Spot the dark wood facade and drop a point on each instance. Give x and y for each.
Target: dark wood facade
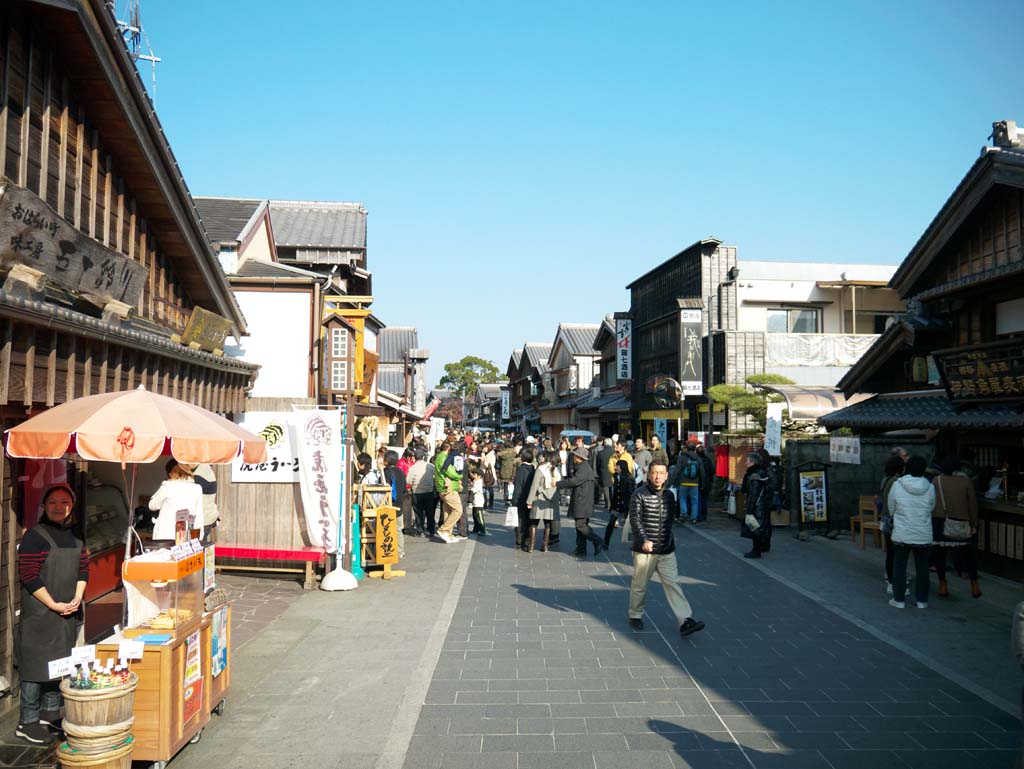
(954, 364)
(78, 134)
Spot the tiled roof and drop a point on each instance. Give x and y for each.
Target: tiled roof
(578, 338)
(537, 353)
(395, 341)
(311, 224)
(225, 218)
(253, 268)
(391, 377)
(925, 410)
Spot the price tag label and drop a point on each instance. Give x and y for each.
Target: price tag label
(82, 655)
(196, 546)
(130, 649)
(180, 551)
(60, 668)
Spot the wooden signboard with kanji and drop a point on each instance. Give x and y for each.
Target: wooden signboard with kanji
(34, 235)
(205, 330)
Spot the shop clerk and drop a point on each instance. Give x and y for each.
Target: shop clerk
(53, 566)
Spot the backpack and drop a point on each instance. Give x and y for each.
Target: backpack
(691, 470)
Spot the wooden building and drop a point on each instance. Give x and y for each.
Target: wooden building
(103, 255)
(953, 367)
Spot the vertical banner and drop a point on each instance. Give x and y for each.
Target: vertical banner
(813, 504)
(318, 439)
(691, 358)
(661, 430)
(505, 404)
(623, 349)
(773, 430)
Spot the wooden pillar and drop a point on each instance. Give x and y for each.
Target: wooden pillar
(5, 363)
(30, 365)
(51, 369)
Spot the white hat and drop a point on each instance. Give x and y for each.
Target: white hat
(530, 439)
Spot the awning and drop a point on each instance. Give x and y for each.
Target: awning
(596, 404)
(927, 409)
(619, 405)
(806, 403)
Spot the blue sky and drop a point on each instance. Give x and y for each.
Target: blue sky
(523, 162)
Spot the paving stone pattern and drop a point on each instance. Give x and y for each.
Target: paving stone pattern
(540, 670)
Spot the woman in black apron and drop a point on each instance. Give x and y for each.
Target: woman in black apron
(53, 568)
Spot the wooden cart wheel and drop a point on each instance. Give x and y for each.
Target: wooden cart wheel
(196, 737)
(219, 710)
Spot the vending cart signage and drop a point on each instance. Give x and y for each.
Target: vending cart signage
(219, 641)
(192, 701)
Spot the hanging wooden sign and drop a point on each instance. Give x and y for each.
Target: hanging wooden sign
(205, 330)
(34, 235)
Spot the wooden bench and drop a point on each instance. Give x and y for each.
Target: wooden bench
(306, 556)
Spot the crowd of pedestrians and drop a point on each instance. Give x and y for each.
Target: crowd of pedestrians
(443, 494)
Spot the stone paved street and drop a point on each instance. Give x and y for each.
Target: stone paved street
(539, 669)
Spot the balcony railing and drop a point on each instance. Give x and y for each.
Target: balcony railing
(815, 349)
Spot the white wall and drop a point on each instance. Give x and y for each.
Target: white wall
(279, 341)
(756, 289)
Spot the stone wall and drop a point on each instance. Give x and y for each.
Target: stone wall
(845, 482)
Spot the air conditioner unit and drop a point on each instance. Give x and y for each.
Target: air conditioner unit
(1006, 134)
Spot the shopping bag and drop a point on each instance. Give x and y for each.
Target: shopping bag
(512, 516)
(752, 522)
(731, 505)
(627, 530)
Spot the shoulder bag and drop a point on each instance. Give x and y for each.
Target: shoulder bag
(953, 529)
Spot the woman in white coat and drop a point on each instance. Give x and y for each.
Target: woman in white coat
(911, 501)
(178, 492)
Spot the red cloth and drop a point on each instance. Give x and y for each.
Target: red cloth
(722, 460)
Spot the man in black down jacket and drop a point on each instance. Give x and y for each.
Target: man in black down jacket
(581, 501)
(604, 475)
(650, 514)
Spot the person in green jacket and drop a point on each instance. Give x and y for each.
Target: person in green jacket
(448, 465)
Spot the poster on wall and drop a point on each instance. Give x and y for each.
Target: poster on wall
(282, 465)
(844, 450)
(691, 357)
(623, 349)
(813, 502)
(505, 404)
(318, 439)
(209, 568)
(192, 701)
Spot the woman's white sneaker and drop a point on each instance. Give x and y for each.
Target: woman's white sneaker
(897, 604)
(922, 604)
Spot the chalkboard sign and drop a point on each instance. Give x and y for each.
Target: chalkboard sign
(33, 234)
(984, 372)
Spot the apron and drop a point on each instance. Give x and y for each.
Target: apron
(45, 635)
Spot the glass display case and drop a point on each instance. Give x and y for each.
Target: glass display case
(164, 596)
(106, 519)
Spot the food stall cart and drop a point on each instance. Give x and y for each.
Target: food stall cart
(185, 667)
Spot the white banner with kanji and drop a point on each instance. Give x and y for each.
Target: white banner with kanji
(317, 436)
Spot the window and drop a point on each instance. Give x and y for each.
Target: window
(867, 322)
(339, 343)
(339, 375)
(793, 321)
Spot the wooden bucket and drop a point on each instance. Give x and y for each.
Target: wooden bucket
(118, 758)
(99, 707)
(97, 739)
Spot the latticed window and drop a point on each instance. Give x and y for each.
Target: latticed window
(339, 343)
(339, 375)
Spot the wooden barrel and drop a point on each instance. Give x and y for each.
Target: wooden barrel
(97, 739)
(118, 758)
(99, 707)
